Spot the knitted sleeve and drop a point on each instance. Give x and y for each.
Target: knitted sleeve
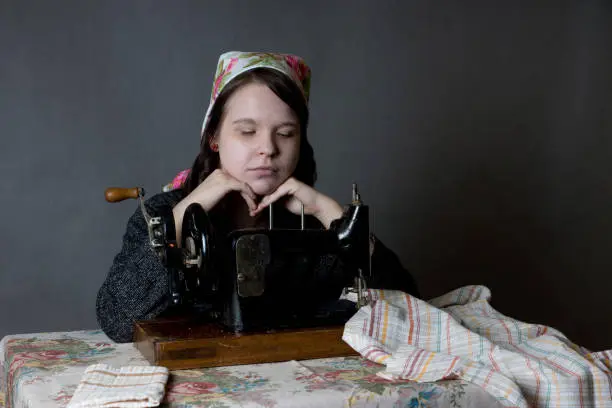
(136, 287)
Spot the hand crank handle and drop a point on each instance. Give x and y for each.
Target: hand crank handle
(116, 194)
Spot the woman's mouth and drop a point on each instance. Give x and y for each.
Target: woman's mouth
(263, 171)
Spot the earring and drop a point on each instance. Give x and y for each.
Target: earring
(214, 147)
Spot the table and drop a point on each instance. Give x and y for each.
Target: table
(44, 369)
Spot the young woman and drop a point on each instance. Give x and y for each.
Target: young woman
(254, 151)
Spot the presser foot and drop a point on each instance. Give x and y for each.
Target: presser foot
(357, 292)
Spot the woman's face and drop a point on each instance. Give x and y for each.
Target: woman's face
(258, 138)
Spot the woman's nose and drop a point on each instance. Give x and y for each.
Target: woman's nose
(268, 145)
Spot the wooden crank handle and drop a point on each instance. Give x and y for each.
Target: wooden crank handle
(116, 194)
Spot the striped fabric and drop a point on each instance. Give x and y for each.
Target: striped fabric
(137, 386)
(459, 335)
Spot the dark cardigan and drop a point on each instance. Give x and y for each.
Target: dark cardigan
(136, 287)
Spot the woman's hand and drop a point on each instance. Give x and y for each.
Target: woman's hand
(324, 208)
(208, 194)
(216, 186)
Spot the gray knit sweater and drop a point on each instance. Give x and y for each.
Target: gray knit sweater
(136, 287)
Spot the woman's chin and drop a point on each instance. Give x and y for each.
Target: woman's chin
(264, 186)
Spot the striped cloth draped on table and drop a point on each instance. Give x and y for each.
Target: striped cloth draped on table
(121, 387)
(459, 335)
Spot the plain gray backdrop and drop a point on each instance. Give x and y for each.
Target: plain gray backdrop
(478, 131)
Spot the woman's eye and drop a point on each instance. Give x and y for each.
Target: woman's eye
(247, 132)
(285, 134)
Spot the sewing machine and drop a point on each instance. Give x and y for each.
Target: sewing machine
(234, 305)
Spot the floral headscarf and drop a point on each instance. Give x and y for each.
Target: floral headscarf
(234, 63)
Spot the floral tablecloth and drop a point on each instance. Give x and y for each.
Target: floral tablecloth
(44, 369)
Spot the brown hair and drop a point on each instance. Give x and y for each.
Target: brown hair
(208, 160)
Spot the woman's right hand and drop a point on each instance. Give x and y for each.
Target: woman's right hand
(208, 194)
(216, 186)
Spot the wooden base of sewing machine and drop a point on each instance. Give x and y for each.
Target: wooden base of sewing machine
(185, 344)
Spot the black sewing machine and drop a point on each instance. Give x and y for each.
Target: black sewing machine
(262, 279)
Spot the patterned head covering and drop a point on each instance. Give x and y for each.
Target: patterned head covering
(233, 63)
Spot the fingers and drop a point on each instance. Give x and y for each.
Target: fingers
(282, 191)
(246, 192)
(250, 202)
(246, 189)
(217, 185)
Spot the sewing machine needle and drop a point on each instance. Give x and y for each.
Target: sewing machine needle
(302, 211)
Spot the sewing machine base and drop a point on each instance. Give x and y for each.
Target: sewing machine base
(184, 343)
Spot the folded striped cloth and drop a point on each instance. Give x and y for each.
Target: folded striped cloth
(459, 335)
(136, 386)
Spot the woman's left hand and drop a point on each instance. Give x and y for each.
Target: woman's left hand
(324, 208)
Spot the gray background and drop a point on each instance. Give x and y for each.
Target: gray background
(478, 131)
